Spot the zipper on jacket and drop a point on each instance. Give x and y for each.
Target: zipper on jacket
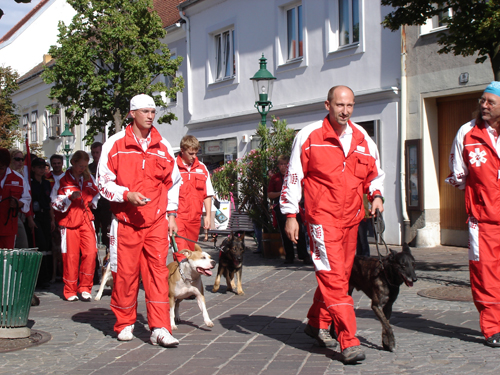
(343, 168)
(143, 163)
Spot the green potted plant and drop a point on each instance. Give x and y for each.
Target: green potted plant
(247, 178)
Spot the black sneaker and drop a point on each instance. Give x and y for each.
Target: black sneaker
(352, 355)
(322, 336)
(493, 341)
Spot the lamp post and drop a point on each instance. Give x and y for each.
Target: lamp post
(67, 137)
(263, 86)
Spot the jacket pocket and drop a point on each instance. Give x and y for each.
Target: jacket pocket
(200, 183)
(361, 169)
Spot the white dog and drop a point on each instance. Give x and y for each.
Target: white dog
(184, 281)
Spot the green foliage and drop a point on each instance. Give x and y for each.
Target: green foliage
(9, 120)
(109, 53)
(251, 173)
(474, 27)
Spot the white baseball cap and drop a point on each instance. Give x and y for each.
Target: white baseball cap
(142, 101)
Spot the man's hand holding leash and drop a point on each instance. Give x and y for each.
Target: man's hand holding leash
(377, 203)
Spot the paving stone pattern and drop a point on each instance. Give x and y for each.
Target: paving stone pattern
(262, 331)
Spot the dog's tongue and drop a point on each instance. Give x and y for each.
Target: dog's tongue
(408, 283)
(203, 271)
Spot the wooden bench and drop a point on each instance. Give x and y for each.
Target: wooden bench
(238, 222)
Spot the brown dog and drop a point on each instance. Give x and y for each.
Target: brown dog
(231, 262)
(184, 281)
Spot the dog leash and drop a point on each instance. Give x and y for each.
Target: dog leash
(378, 229)
(196, 242)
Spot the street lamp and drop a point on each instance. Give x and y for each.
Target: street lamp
(67, 137)
(263, 86)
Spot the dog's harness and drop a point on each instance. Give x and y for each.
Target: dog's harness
(174, 247)
(378, 229)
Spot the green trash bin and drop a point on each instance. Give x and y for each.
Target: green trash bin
(18, 274)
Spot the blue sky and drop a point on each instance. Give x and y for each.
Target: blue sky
(13, 13)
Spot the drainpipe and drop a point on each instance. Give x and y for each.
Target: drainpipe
(406, 220)
(188, 59)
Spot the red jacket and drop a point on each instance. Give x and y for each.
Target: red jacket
(475, 167)
(73, 214)
(124, 167)
(332, 183)
(12, 185)
(196, 186)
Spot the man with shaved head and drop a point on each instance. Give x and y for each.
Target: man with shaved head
(333, 163)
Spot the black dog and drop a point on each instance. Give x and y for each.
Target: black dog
(231, 262)
(381, 281)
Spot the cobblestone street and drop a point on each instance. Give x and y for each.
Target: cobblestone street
(262, 331)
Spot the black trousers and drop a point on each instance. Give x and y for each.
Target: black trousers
(287, 243)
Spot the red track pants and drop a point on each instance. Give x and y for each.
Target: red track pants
(143, 251)
(333, 251)
(7, 242)
(78, 271)
(188, 229)
(484, 267)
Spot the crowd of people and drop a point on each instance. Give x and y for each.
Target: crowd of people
(136, 195)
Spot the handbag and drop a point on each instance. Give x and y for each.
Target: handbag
(220, 216)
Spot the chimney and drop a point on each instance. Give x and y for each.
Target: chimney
(46, 58)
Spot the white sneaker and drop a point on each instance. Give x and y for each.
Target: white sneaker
(161, 336)
(86, 296)
(126, 333)
(72, 298)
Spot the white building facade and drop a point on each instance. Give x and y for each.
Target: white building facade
(310, 46)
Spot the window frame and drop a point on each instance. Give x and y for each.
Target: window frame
(33, 126)
(432, 25)
(229, 58)
(294, 44)
(333, 46)
(283, 59)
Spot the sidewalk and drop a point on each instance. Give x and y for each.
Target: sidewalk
(262, 331)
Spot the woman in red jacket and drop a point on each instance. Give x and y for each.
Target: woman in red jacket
(72, 197)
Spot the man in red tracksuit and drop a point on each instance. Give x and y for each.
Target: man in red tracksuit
(14, 197)
(137, 173)
(195, 192)
(333, 162)
(475, 168)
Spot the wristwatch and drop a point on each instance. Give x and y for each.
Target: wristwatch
(379, 196)
(174, 214)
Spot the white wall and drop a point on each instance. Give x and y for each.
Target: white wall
(25, 49)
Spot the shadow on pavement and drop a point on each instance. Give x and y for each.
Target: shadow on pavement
(416, 322)
(103, 320)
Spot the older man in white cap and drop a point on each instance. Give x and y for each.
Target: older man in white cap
(475, 168)
(137, 173)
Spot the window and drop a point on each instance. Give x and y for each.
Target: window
(34, 127)
(25, 121)
(54, 125)
(294, 32)
(344, 35)
(348, 22)
(225, 66)
(436, 23)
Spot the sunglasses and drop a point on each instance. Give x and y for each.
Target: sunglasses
(19, 159)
